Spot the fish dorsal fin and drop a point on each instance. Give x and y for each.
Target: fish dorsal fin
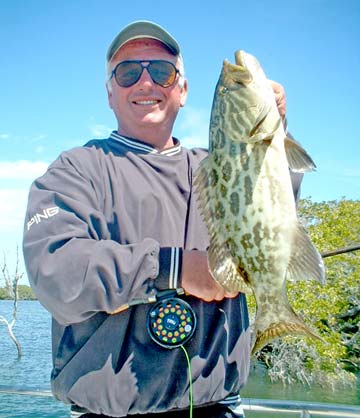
(299, 160)
(306, 262)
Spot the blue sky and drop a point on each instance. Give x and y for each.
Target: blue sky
(53, 96)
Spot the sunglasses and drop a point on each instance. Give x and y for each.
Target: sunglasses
(127, 73)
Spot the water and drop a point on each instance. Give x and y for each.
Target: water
(32, 372)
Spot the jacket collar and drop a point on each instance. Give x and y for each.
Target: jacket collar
(137, 145)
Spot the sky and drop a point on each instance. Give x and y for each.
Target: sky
(53, 97)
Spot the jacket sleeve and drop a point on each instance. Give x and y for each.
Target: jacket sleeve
(73, 265)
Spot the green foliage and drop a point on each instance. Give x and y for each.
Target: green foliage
(24, 293)
(333, 310)
(3, 294)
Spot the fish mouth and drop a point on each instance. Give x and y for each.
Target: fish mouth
(239, 72)
(240, 58)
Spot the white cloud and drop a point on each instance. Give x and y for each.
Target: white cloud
(4, 136)
(100, 131)
(12, 216)
(12, 210)
(22, 169)
(15, 180)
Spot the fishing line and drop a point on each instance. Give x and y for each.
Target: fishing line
(171, 322)
(190, 380)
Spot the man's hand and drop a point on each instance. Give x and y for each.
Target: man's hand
(280, 97)
(196, 279)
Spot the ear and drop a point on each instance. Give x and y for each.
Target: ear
(109, 93)
(183, 93)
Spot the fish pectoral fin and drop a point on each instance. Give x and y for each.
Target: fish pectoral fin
(299, 160)
(225, 271)
(260, 137)
(306, 262)
(259, 134)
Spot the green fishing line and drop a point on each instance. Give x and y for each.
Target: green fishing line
(190, 380)
(171, 322)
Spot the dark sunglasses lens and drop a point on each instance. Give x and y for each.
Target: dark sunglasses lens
(128, 73)
(162, 72)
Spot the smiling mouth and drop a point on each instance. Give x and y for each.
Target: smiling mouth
(146, 102)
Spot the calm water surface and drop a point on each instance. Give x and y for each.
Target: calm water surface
(32, 372)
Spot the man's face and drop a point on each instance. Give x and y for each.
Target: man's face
(146, 110)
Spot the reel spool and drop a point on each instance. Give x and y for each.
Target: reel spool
(171, 322)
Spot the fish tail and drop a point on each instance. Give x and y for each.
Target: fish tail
(291, 324)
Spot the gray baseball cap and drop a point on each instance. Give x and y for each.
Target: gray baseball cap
(142, 29)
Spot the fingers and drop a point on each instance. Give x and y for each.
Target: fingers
(220, 293)
(197, 281)
(231, 295)
(280, 97)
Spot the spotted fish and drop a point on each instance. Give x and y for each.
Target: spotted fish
(245, 195)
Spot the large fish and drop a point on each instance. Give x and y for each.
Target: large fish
(246, 198)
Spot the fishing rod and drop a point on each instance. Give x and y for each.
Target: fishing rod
(340, 251)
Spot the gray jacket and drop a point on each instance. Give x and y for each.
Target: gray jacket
(106, 225)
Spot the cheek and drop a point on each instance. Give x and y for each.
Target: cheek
(177, 98)
(116, 101)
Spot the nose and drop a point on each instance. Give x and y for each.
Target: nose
(145, 78)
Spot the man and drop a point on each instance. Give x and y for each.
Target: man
(114, 224)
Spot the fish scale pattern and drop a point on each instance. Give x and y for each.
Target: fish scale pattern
(245, 196)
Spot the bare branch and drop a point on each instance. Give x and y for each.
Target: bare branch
(11, 289)
(11, 334)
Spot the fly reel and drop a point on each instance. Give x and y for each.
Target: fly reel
(171, 322)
